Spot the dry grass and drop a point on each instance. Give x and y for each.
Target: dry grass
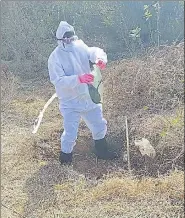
(34, 185)
(149, 91)
(164, 130)
(124, 196)
(9, 86)
(145, 86)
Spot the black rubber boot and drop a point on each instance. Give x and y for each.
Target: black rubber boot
(65, 159)
(101, 150)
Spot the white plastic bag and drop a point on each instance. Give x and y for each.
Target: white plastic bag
(145, 147)
(98, 83)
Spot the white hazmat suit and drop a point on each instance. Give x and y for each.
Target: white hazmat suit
(65, 64)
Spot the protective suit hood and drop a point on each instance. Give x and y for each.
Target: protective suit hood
(62, 28)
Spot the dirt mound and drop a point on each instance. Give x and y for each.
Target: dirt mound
(149, 91)
(153, 83)
(150, 85)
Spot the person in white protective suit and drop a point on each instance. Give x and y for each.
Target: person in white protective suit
(69, 71)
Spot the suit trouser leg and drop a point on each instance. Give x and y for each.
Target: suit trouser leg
(69, 135)
(95, 122)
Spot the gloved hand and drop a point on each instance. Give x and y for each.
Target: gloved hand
(86, 78)
(101, 64)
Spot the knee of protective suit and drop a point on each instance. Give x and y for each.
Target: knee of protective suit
(71, 123)
(70, 134)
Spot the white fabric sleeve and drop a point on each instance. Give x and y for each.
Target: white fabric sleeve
(95, 53)
(58, 77)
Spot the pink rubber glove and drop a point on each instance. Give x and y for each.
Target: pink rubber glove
(86, 78)
(101, 64)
